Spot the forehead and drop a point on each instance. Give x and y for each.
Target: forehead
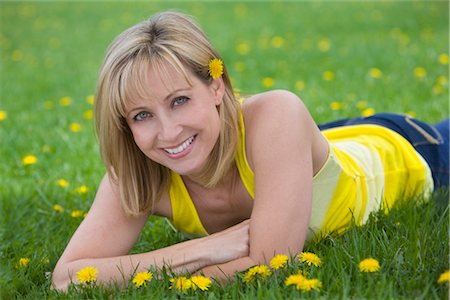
(154, 81)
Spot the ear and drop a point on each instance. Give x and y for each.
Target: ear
(217, 88)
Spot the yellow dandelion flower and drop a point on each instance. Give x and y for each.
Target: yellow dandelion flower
(243, 48)
(411, 113)
(303, 283)
(3, 115)
(201, 282)
(90, 99)
(17, 55)
(215, 68)
(375, 73)
(260, 271)
(65, 101)
(369, 265)
(239, 66)
(443, 59)
(368, 112)
(420, 72)
(437, 89)
(87, 274)
(267, 82)
(300, 85)
(442, 80)
(58, 208)
(88, 114)
(335, 105)
(310, 258)
(29, 160)
(81, 189)
(23, 262)
(324, 45)
(182, 284)
(328, 75)
(142, 278)
(277, 42)
(279, 261)
(444, 277)
(76, 213)
(361, 104)
(62, 183)
(75, 127)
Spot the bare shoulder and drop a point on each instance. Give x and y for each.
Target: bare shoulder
(280, 116)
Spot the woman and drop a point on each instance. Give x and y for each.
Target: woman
(252, 180)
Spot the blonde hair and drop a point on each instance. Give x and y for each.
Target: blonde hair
(167, 39)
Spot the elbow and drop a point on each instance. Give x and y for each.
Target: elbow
(60, 279)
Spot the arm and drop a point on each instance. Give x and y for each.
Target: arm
(107, 234)
(283, 179)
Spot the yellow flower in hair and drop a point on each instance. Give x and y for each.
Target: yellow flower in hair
(215, 68)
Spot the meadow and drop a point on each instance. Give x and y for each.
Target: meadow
(343, 58)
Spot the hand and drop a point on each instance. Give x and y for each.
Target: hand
(229, 244)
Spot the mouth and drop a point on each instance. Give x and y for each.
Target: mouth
(181, 148)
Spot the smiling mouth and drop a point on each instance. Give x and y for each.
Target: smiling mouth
(180, 148)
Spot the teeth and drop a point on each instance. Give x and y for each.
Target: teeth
(181, 147)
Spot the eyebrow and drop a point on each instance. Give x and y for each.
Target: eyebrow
(167, 98)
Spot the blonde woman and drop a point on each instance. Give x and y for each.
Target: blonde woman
(248, 179)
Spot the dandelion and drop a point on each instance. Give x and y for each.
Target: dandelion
(48, 105)
(444, 277)
(17, 55)
(310, 258)
(239, 66)
(324, 45)
(261, 271)
(201, 282)
(75, 127)
(65, 101)
(443, 59)
(87, 274)
(278, 261)
(420, 72)
(277, 42)
(29, 160)
(375, 73)
(243, 48)
(328, 75)
(81, 189)
(142, 278)
(62, 183)
(76, 213)
(88, 114)
(335, 105)
(23, 262)
(215, 68)
(303, 283)
(3, 115)
(442, 80)
(90, 99)
(267, 82)
(437, 89)
(182, 284)
(368, 112)
(369, 265)
(361, 104)
(300, 85)
(58, 208)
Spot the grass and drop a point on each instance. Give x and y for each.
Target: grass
(51, 50)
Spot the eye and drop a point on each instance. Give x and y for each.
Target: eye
(179, 101)
(141, 116)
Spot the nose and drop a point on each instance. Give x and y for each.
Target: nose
(169, 129)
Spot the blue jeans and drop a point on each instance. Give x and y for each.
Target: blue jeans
(431, 141)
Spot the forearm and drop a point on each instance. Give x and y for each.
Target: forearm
(188, 256)
(225, 272)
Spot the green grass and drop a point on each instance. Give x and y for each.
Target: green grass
(54, 49)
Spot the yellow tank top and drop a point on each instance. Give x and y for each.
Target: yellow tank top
(369, 167)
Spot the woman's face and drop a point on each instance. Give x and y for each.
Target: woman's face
(177, 124)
